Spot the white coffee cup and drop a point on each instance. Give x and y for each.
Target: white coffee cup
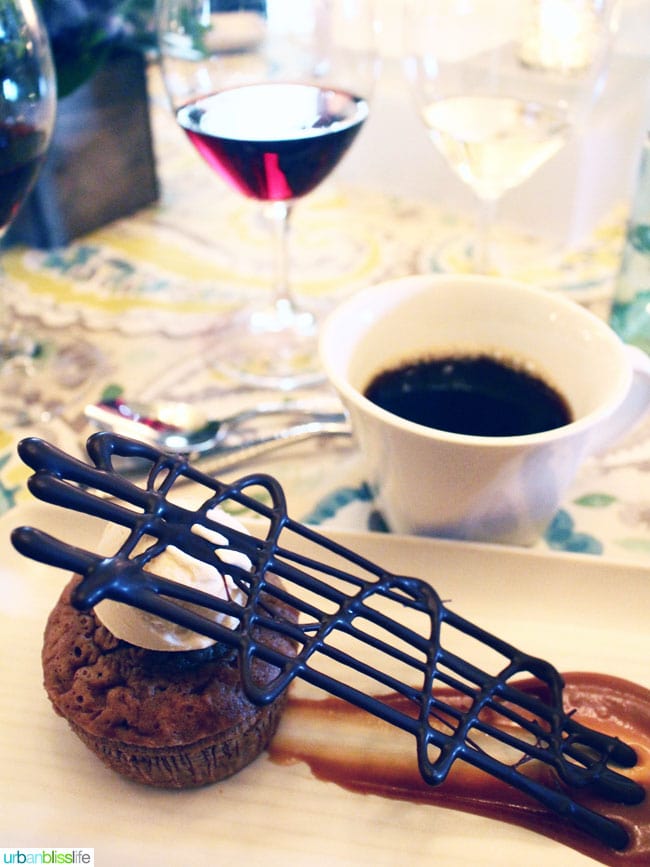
(482, 488)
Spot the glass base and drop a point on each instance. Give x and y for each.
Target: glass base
(631, 320)
(275, 347)
(40, 378)
(526, 257)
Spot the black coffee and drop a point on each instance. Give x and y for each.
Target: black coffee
(477, 395)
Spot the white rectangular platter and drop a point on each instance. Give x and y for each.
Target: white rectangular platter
(581, 613)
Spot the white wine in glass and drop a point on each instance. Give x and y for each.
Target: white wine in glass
(502, 84)
(271, 93)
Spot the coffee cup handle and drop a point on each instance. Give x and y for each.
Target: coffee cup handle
(632, 411)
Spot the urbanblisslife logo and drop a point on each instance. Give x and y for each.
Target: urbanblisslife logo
(45, 855)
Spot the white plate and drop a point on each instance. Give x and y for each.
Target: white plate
(580, 613)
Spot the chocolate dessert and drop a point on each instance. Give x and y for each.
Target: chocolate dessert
(380, 641)
(172, 719)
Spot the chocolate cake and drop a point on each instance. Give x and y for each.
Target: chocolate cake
(176, 720)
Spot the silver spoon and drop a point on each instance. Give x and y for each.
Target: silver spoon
(181, 428)
(224, 457)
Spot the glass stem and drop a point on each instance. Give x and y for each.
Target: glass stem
(7, 324)
(279, 214)
(14, 341)
(482, 251)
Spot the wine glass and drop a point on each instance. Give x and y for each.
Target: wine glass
(501, 85)
(271, 93)
(27, 112)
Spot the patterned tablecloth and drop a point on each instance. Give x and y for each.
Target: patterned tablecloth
(146, 293)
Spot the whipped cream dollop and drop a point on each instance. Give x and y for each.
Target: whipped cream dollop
(154, 633)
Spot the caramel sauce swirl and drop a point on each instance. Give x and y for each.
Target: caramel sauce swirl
(346, 746)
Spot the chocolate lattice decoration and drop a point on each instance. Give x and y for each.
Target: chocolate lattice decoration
(362, 633)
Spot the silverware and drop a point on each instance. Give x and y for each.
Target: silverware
(181, 428)
(224, 457)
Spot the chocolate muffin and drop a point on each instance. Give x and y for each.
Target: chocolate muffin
(175, 720)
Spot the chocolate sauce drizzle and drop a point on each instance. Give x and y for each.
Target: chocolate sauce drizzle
(343, 599)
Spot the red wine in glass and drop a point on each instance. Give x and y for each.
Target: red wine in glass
(22, 149)
(272, 95)
(274, 141)
(40, 373)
